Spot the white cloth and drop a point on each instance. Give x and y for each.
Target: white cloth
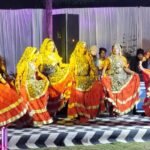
(103, 27)
(19, 28)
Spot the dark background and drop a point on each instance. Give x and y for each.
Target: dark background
(17, 4)
(64, 38)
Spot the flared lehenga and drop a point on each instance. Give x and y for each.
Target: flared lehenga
(122, 89)
(86, 98)
(124, 99)
(146, 78)
(59, 89)
(59, 78)
(86, 104)
(12, 105)
(35, 92)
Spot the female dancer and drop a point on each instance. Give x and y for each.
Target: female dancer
(86, 92)
(120, 83)
(146, 78)
(34, 87)
(50, 64)
(12, 105)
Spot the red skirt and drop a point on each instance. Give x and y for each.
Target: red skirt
(37, 109)
(146, 77)
(86, 104)
(59, 94)
(12, 106)
(146, 106)
(125, 99)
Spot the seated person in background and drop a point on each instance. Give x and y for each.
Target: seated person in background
(102, 58)
(134, 64)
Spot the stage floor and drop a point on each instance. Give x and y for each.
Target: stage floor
(104, 130)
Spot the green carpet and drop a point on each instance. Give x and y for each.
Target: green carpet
(114, 146)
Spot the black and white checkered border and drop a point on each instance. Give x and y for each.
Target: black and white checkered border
(104, 130)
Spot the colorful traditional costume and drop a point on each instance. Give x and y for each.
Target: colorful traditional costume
(146, 78)
(50, 64)
(34, 86)
(121, 85)
(12, 105)
(86, 91)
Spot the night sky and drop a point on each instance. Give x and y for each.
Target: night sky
(14, 4)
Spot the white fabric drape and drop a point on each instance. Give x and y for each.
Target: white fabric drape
(128, 26)
(97, 26)
(144, 21)
(19, 29)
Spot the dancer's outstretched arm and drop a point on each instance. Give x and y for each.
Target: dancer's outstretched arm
(146, 71)
(127, 70)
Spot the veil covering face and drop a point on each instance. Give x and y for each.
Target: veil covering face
(119, 83)
(56, 71)
(34, 87)
(44, 48)
(86, 91)
(94, 50)
(118, 48)
(27, 54)
(77, 48)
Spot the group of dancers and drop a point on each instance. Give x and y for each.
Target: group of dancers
(43, 85)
